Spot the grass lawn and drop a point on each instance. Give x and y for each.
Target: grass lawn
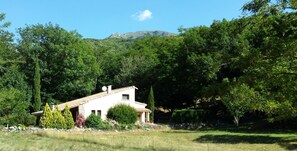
(149, 140)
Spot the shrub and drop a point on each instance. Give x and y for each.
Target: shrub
(47, 117)
(58, 119)
(80, 121)
(13, 107)
(30, 120)
(68, 118)
(123, 114)
(191, 116)
(93, 121)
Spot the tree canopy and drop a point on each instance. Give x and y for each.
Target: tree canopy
(68, 66)
(226, 63)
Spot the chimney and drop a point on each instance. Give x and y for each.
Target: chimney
(108, 89)
(52, 106)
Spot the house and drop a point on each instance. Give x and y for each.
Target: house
(100, 103)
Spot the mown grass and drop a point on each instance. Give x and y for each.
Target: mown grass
(148, 140)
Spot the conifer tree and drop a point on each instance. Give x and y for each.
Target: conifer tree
(36, 90)
(68, 118)
(46, 119)
(58, 119)
(151, 103)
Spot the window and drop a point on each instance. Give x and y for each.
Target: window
(99, 112)
(125, 97)
(93, 112)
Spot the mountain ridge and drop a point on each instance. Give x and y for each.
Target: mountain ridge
(140, 34)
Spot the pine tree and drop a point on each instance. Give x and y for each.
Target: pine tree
(58, 119)
(68, 118)
(36, 93)
(46, 119)
(151, 103)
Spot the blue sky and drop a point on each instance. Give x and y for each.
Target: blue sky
(101, 18)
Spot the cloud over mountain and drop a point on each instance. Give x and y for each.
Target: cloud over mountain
(143, 15)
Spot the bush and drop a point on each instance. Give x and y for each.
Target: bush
(123, 114)
(191, 116)
(68, 118)
(80, 121)
(58, 119)
(13, 107)
(93, 121)
(30, 120)
(46, 119)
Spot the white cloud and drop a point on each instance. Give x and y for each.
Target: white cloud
(143, 15)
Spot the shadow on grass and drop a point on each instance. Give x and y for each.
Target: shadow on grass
(247, 130)
(253, 130)
(289, 143)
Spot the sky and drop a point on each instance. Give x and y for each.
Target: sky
(101, 18)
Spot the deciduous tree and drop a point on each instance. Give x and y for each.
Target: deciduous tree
(68, 66)
(239, 100)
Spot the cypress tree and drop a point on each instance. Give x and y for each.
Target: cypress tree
(58, 119)
(46, 119)
(68, 118)
(36, 88)
(151, 103)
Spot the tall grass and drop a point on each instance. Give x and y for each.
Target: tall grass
(146, 140)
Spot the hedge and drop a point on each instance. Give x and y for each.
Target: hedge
(191, 116)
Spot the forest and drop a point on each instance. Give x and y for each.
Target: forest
(242, 67)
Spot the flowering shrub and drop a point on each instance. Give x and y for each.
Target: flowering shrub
(80, 121)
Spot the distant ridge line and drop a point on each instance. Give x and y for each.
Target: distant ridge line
(139, 34)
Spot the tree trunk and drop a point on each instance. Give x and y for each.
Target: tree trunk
(236, 120)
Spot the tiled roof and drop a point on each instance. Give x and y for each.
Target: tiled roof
(80, 101)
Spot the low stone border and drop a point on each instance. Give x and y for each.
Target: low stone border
(146, 126)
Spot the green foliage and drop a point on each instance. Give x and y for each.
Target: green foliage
(5, 37)
(123, 114)
(46, 120)
(191, 116)
(269, 6)
(30, 120)
(12, 77)
(151, 103)
(14, 108)
(258, 50)
(58, 119)
(148, 61)
(93, 121)
(68, 118)
(10, 74)
(239, 100)
(69, 69)
(36, 87)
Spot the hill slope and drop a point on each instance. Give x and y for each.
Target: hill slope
(139, 34)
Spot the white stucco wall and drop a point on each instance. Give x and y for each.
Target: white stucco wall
(106, 102)
(143, 117)
(138, 105)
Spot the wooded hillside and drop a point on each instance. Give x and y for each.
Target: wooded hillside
(248, 65)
